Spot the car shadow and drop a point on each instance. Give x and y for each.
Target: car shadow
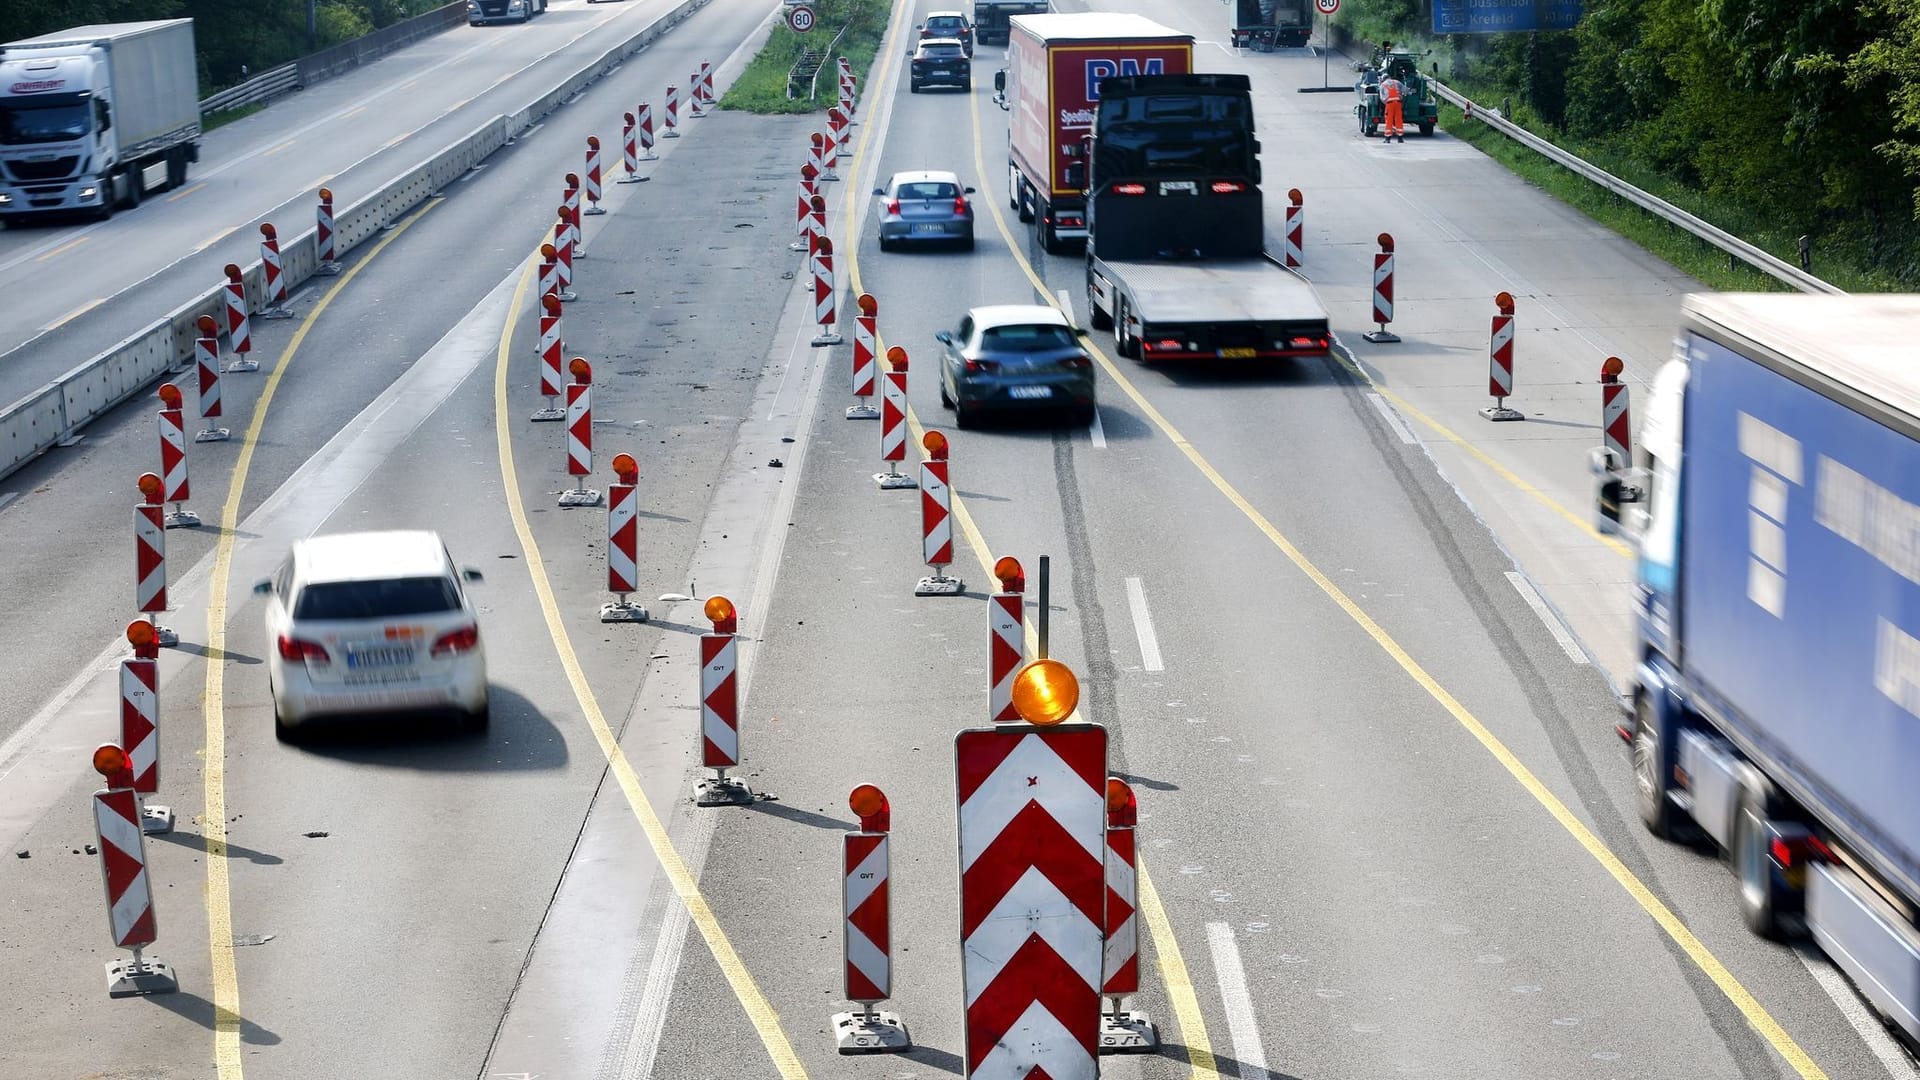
(520, 738)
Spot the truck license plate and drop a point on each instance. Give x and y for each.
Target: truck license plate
(1179, 187)
(1239, 354)
(1029, 392)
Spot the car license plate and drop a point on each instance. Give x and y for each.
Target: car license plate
(1239, 354)
(929, 228)
(362, 659)
(1029, 392)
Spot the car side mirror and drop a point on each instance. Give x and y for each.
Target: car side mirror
(880, 191)
(1000, 81)
(263, 587)
(468, 573)
(943, 337)
(969, 191)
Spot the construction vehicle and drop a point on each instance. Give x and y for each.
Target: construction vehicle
(1418, 104)
(1266, 25)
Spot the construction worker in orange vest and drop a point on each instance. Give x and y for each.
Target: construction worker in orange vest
(1390, 92)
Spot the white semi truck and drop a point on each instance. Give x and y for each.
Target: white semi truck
(88, 116)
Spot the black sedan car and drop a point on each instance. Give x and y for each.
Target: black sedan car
(940, 62)
(1014, 357)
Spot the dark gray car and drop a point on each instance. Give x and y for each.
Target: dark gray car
(939, 62)
(1014, 357)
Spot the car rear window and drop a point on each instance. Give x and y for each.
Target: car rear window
(928, 189)
(1025, 338)
(942, 51)
(391, 598)
(947, 23)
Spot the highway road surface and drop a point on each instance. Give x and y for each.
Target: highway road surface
(1354, 651)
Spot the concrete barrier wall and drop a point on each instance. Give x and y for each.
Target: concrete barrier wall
(30, 426)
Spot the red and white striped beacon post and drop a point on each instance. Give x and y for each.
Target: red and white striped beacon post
(1616, 414)
(276, 274)
(572, 203)
(893, 422)
(1295, 233)
(623, 542)
(629, 152)
(846, 90)
(580, 435)
(123, 874)
(1500, 361)
(830, 144)
(865, 341)
(549, 273)
(670, 128)
(936, 520)
(552, 346)
(697, 99)
(150, 557)
(866, 930)
(720, 708)
(1006, 638)
(206, 355)
(593, 176)
(1032, 830)
(323, 242)
(563, 255)
(1383, 293)
(646, 132)
(239, 332)
(173, 458)
(825, 298)
(140, 721)
(817, 210)
(808, 190)
(1122, 1031)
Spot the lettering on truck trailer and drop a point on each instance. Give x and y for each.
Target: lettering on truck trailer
(1099, 68)
(36, 86)
(1776, 463)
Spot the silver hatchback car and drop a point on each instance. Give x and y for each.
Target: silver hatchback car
(919, 207)
(1014, 357)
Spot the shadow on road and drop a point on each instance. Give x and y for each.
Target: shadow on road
(520, 738)
(802, 817)
(192, 1006)
(197, 842)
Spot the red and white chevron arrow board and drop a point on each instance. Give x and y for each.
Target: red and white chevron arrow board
(893, 416)
(1032, 899)
(936, 514)
(140, 721)
(1122, 965)
(149, 558)
(869, 949)
(579, 429)
(123, 867)
(1006, 649)
(173, 456)
(719, 703)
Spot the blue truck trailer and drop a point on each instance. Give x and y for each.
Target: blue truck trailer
(1776, 703)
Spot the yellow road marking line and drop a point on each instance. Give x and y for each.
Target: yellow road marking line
(759, 1010)
(355, 111)
(213, 821)
(1172, 966)
(76, 313)
(216, 238)
(1480, 455)
(184, 192)
(64, 248)
(277, 149)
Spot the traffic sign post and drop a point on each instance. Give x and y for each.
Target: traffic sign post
(1326, 9)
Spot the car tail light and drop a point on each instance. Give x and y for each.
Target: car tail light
(455, 642)
(980, 365)
(1072, 221)
(1077, 363)
(293, 648)
(1129, 189)
(960, 205)
(893, 206)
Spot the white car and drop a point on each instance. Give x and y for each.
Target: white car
(372, 622)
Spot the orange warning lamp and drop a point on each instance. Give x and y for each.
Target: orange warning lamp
(808, 172)
(818, 204)
(1504, 301)
(720, 610)
(233, 272)
(1610, 369)
(111, 762)
(149, 485)
(868, 305)
(871, 804)
(548, 253)
(1012, 576)
(140, 635)
(169, 395)
(326, 195)
(1045, 693)
(581, 371)
(573, 181)
(1294, 196)
(566, 216)
(627, 469)
(822, 245)
(206, 326)
(1122, 811)
(936, 445)
(896, 358)
(1386, 242)
(552, 304)
(818, 139)
(266, 230)
(593, 141)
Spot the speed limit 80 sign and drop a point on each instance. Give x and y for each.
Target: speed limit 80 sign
(800, 17)
(1327, 7)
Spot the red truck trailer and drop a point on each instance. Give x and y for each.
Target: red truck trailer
(1051, 87)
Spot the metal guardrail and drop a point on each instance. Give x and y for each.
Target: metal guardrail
(1760, 260)
(260, 89)
(813, 85)
(52, 415)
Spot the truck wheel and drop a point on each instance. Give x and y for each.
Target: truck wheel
(176, 168)
(1025, 204)
(1426, 127)
(1123, 341)
(134, 180)
(1650, 772)
(1100, 319)
(1753, 865)
(1050, 239)
(1013, 187)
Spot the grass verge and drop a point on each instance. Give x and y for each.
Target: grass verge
(762, 87)
(1694, 256)
(227, 116)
